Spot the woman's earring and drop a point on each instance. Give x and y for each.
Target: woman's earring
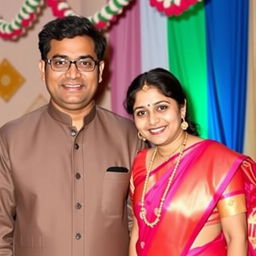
(184, 124)
(141, 137)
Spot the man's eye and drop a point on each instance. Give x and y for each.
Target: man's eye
(59, 62)
(86, 63)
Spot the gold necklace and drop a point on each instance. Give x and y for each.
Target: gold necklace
(158, 210)
(164, 157)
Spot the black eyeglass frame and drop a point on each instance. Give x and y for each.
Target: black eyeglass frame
(49, 61)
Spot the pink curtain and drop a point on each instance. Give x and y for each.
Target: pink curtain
(125, 59)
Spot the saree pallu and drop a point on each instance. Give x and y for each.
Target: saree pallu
(204, 172)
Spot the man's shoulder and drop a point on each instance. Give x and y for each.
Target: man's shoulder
(24, 120)
(118, 129)
(113, 117)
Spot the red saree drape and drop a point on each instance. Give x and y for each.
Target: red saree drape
(204, 172)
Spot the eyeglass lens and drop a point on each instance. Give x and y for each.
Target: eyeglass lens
(83, 64)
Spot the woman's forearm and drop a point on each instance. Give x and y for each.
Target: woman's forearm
(237, 247)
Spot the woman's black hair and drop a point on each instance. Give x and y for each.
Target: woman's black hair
(166, 83)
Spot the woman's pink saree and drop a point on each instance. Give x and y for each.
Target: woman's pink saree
(204, 172)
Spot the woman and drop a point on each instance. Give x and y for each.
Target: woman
(190, 196)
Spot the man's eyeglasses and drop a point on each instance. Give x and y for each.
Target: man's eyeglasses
(59, 64)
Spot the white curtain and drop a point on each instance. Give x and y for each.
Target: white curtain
(154, 49)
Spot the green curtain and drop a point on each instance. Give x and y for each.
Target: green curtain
(187, 60)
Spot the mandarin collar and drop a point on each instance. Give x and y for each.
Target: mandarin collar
(65, 118)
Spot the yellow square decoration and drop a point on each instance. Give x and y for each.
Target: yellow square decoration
(10, 80)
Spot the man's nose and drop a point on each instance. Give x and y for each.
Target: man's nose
(73, 72)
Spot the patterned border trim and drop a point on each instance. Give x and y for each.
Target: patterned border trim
(29, 13)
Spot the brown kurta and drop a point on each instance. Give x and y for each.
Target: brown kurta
(56, 196)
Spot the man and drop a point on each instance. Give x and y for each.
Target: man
(64, 168)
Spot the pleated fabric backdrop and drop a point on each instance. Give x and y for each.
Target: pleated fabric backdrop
(211, 48)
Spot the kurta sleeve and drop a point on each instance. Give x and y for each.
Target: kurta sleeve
(7, 203)
(130, 200)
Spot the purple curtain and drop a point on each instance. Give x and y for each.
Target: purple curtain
(125, 60)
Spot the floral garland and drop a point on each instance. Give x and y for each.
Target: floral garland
(60, 8)
(173, 7)
(22, 20)
(101, 19)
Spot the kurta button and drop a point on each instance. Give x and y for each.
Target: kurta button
(76, 146)
(78, 206)
(73, 133)
(78, 175)
(78, 236)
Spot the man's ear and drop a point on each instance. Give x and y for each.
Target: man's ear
(41, 66)
(101, 68)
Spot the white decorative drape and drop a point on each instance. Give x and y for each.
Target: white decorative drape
(154, 36)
